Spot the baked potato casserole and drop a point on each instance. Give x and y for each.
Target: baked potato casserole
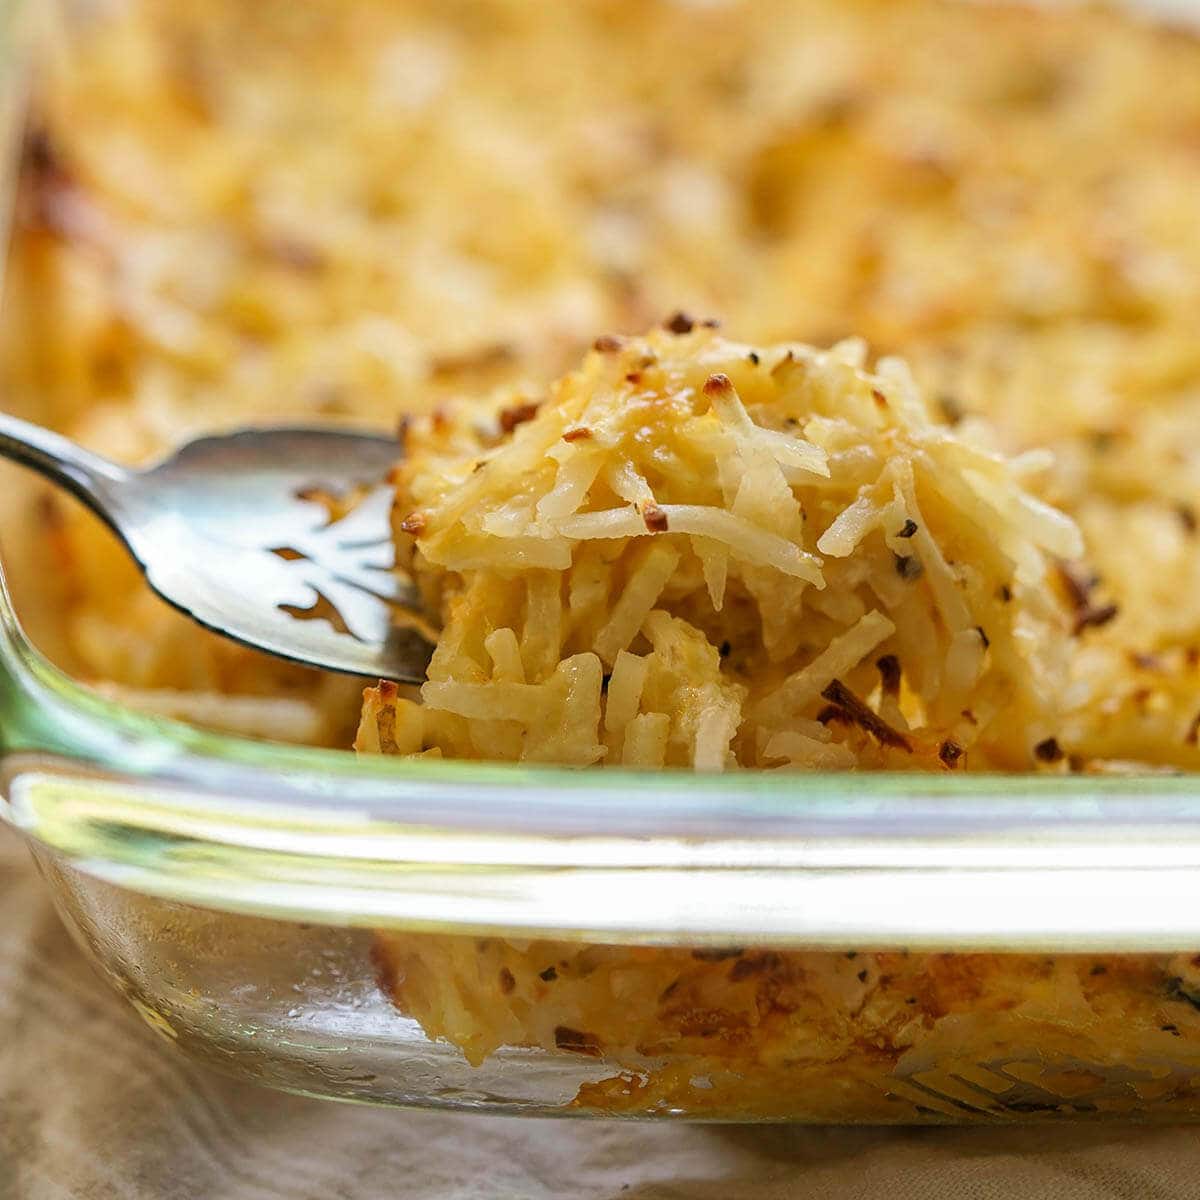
(796, 385)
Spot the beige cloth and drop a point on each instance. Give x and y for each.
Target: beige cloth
(93, 1106)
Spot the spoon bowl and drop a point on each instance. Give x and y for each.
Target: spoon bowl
(277, 537)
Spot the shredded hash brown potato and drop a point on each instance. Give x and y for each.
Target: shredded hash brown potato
(991, 192)
(697, 553)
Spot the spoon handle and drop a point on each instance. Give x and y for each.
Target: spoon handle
(92, 478)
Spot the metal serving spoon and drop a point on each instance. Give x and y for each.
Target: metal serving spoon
(230, 530)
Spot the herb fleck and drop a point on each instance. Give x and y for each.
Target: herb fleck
(845, 702)
(1048, 751)
(510, 418)
(950, 752)
(1095, 618)
(889, 674)
(577, 1041)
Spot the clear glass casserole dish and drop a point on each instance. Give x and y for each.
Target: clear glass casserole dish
(257, 905)
(822, 947)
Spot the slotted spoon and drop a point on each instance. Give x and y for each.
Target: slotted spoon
(232, 531)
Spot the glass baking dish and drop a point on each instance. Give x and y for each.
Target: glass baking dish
(822, 947)
(257, 905)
